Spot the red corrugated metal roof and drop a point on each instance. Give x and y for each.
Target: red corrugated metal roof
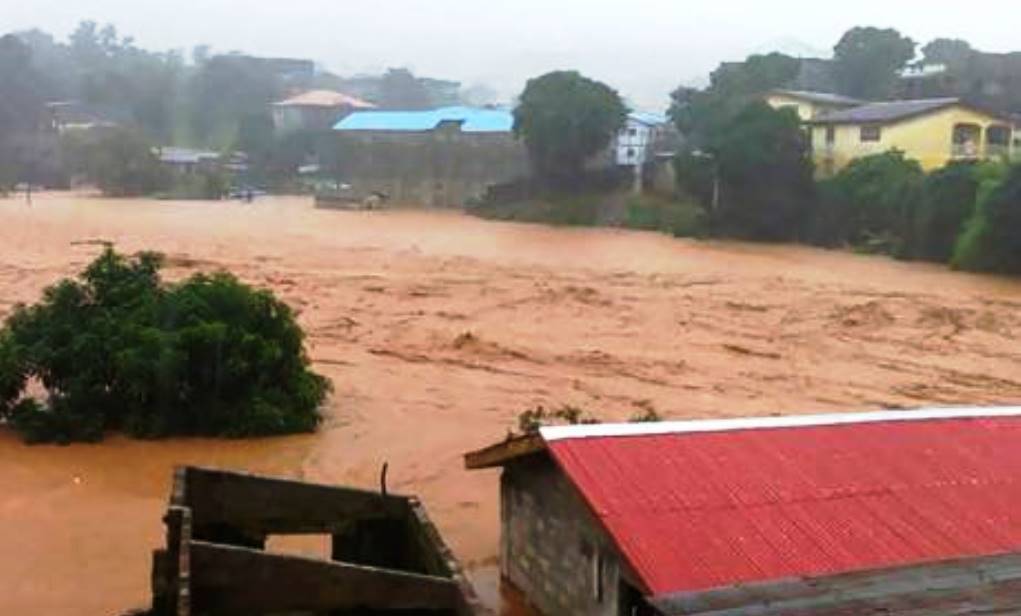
(699, 510)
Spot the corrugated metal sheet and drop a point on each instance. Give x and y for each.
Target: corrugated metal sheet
(472, 120)
(702, 510)
(888, 111)
(648, 118)
(324, 98)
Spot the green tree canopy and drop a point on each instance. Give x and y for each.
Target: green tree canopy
(118, 349)
(564, 119)
(871, 203)
(867, 61)
(950, 197)
(400, 89)
(702, 114)
(991, 241)
(954, 53)
(765, 173)
(120, 161)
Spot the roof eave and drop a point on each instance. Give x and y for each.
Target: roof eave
(500, 454)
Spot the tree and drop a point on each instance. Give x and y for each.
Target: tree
(564, 119)
(991, 241)
(21, 106)
(950, 196)
(400, 89)
(871, 204)
(867, 61)
(120, 161)
(954, 53)
(225, 91)
(118, 349)
(765, 175)
(702, 114)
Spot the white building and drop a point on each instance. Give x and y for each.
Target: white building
(633, 141)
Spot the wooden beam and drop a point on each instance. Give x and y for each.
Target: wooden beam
(983, 585)
(501, 453)
(231, 581)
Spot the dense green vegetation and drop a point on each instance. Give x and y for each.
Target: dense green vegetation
(765, 175)
(117, 349)
(866, 61)
(992, 239)
(564, 119)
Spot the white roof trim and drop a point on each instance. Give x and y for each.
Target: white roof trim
(559, 433)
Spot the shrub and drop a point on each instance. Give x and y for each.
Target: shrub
(117, 349)
(530, 420)
(121, 162)
(949, 201)
(765, 174)
(873, 197)
(991, 241)
(678, 218)
(201, 184)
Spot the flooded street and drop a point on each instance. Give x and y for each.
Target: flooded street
(438, 329)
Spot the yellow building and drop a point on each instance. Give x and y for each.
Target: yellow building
(809, 105)
(931, 131)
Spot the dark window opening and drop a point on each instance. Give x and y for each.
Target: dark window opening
(871, 133)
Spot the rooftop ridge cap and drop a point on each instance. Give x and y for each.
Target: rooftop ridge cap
(701, 426)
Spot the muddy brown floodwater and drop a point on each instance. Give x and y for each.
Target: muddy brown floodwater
(438, 329)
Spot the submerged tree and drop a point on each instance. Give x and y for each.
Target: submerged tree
(564, 119)
(118, 349)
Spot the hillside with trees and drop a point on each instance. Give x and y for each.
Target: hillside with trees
(204, 100)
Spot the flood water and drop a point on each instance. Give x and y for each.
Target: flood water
(603, 319)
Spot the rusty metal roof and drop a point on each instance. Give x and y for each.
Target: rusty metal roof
(325, 98)
(701, 505)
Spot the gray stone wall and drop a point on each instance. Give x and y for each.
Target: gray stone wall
(440, 168)
(552, 549)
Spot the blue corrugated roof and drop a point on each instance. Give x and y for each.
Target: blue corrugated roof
(648, 118)
(473, 120)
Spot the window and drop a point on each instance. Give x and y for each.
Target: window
(632, 132)
(831, 135)
(631, 153)
(871, 133)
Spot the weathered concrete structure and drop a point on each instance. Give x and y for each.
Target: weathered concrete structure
(553, 550)
(438, 158)
(387, 557)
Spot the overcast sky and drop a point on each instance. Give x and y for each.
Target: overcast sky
(641, 47)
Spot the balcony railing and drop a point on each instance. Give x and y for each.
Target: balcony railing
(997, 150)
(964, 151)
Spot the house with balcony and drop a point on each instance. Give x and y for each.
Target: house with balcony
(809, 105)
(932, 131)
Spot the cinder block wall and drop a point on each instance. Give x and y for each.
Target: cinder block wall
(435, 169)
(551, 547)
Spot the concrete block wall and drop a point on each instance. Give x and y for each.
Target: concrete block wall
(552, 548)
